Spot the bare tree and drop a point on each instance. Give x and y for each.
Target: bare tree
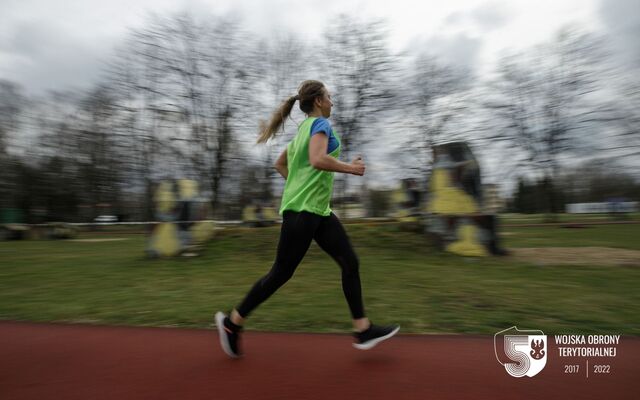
(549, 102)
(188, 88)
(359, 68)
(283, 65)
(11, 104)
(623, 110)
(135, 77)
(543, 99)
(73, 160)
(54, 166)
(98, 147)
(434, 94)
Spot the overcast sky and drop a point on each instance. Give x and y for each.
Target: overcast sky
(49, 44)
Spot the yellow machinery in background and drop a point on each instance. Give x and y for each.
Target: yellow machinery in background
(405, 202)
(454, 210)
(256, 215)
(182, 215)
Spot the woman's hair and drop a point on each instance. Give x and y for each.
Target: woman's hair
(307, 93)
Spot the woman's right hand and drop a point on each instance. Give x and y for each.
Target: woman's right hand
(357, 166)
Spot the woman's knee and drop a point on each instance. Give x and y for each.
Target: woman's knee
(350, 264)
(278, 276)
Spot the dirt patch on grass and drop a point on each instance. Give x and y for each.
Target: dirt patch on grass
(97, 240)
(577, 256)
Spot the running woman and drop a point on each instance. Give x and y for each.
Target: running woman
(308, 165)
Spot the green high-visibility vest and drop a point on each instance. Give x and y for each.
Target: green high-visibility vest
(307, 188)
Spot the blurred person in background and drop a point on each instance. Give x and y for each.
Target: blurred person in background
(308, 165)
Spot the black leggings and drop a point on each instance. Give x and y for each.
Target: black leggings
(298, 229)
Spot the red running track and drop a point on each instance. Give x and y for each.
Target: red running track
(48, 361)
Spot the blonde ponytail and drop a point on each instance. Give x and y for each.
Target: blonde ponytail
(307, 93)
(267, 131)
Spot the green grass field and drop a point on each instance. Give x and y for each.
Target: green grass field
(508, 218)
(404, 281)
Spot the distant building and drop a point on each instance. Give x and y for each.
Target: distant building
(601, 208)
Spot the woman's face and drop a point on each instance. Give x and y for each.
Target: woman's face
(324, 103)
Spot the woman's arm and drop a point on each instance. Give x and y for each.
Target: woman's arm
(319, 158)
(281, 164)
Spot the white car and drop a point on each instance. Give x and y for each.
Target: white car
(104, 219)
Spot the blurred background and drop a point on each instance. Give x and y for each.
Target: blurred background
(101, 102)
